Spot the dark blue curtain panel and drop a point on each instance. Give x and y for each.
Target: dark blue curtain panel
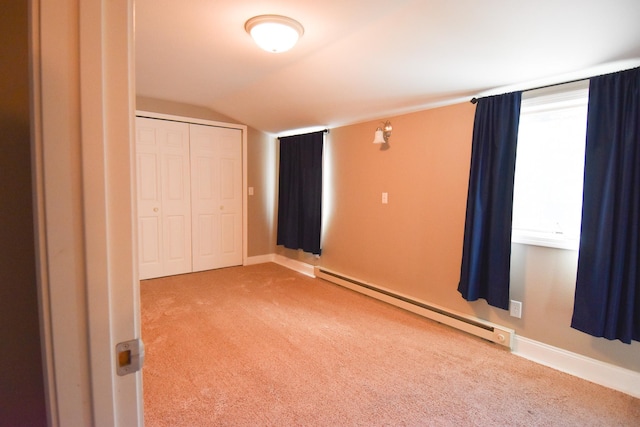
(607, 296)
(300, 192)
(486, 255)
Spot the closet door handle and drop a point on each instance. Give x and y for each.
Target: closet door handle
(155, 209)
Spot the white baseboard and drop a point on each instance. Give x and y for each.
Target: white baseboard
(260, 259)
(299, 266)
(605, 374)
(292, 264)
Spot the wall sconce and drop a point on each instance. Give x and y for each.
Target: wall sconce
(383, 133)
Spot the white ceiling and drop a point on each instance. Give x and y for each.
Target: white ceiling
(366, 59)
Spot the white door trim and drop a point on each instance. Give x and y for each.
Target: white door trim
(83, 101)
(243, 128)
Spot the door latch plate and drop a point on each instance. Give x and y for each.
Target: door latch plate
(130, 356)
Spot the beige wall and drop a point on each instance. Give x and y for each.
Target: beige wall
(22, 399)
(261, 176)
(180, 109)
(261, 173)
(410, 243)
(413, 245)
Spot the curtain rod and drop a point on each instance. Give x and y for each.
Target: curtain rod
(474, 100)
(306, 133)
(610, 69)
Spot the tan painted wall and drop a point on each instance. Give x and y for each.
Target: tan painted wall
(408, 243)
(413, 245)
(261, 172)
(180, 109)
(22, 398)
(261, 176)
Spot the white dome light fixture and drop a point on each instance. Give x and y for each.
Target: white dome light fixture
(274, 33)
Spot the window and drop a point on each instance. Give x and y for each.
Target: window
(547, 202)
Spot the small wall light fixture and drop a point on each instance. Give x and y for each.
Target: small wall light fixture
(383, 133)
(274, 33)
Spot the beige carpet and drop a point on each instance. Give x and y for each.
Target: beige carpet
(265, 346)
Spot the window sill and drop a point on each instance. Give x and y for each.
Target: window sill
(548, 240)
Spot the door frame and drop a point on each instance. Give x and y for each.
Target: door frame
(243, 128)
(82, 112)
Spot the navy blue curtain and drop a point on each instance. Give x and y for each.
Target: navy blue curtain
(486, 254)
(300, 192)
(607, 297)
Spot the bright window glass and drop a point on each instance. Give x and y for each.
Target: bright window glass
(547, 203)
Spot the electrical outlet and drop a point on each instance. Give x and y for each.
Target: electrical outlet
(515, 310)
(385, 198)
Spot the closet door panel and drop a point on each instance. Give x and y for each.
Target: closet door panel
(176, 201)
(206, 226)
(228, 241)
(216, 162)
(150, 233)
(231, 197)
(163, 189)
(149, 221)
(204, 209)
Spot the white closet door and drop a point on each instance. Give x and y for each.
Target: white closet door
(163, 178)
(216, 183)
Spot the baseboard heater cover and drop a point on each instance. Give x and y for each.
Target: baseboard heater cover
(487, 330)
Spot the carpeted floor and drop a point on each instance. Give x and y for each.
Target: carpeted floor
(265, 346)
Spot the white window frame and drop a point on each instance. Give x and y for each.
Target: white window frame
(537, 100)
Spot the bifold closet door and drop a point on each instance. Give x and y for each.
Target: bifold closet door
(164, 213)
(216, 204)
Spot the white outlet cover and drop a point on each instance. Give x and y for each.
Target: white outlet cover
(515, 309)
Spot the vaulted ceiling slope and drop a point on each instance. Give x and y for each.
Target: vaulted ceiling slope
(366, 59)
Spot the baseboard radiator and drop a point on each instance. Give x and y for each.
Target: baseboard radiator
(483, 329)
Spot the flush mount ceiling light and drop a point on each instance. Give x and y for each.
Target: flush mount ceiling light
(274, 33)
